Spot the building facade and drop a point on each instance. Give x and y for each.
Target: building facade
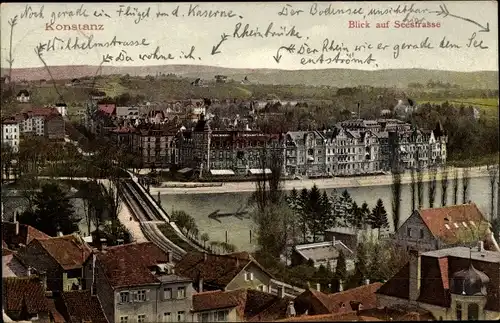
(11, 134)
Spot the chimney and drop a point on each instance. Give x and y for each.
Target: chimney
(205, 256)
(237, 262)
(281, 291)
(17, 228)
(200, 285)
(318, 287)
(43, 279)
(341, 285)
(367, 282)
(480, 246)
(29, 271)
(103, 243)
(415, 271)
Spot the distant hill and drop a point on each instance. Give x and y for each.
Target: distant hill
(332, 77)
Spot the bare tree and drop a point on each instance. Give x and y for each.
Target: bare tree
(413, 187)
(465, 185)
(444, 185)
(493, 176)
(396, 179)
(455, 187)
(420, 187)
(432, 186)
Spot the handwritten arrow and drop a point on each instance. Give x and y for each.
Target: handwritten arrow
(445, 13)
(223, 37)
(289, 49)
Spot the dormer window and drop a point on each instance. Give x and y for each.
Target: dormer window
(455, 224)
(447, 226)
(464, 224)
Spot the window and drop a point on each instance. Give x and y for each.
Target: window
(167, 317)
(248, 276)
(408, 232)
(124, 297)
(123, 319)
(141, 318)
(473, 312)
(203, 317)
(167, 293)
(459, 311)
(421, 233)
(221, 316)
(181, 292)
(181, 317)
(140, 296)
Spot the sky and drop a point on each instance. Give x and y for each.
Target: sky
(318, 24)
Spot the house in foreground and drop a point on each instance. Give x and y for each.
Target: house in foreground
(457, 283)
(23, 299)
(445, 227)
(136, 283)
(322, 253)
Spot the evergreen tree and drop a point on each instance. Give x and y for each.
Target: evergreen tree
(292, 199)
(356, 220)
(303, 217)
(341, 267)
(327, 219)
(365, 211)
(345, 208)
(360, 269)
(378, 217)
(315, 212)
(53, 212)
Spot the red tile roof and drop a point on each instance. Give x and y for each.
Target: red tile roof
(69, 251)
(250, 304)
(320, 303)
(217, 270)
(130, 264)
(376, 314)
(108, 109)
(445, 222)
(81, 306)
(40, 112)
(26, 234)
(24, 291)
(57, 317)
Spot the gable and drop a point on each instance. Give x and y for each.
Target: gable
(415, 223)
(258, 275)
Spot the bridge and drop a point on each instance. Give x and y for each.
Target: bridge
(150, 217)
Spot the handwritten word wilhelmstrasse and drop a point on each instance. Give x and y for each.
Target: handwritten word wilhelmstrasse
(59, 44)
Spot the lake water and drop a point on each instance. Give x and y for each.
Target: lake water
(238, 230)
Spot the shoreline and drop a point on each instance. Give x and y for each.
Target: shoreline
(328, 183)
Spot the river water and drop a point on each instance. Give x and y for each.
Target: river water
(238, 230)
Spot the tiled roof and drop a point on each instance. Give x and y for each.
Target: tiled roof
(40, 112)
(130, 264)
(376, 314)
(320, 303)
(446, 222)
(216, 270)
(81, 306)
(26, 234)
(399, 284)
(24, 291)
(54, 312)
(215, 300)
(69, 251)
(251, 305)
(108, 109)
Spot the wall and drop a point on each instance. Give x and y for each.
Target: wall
(232, 316)
(54, 127)
(259, 278)
(415, 223)
(174, 305)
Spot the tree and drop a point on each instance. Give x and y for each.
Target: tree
(493, 176)
(341, 267)
(205, 237)
(420, 187)
(314, 211)
(345, 207)
(365, 213)
(115, 233)
(303, 218)
(326, 220)
(465, 185)
(378, 217)
(455, 187)
(53, 212)
(357, 220)
(360, 268)
(184, 221)
(444, 186)
(413, 187)
(396, 197)
(432, 186)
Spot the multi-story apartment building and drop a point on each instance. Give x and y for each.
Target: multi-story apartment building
(305, 152)
(11, 133)
(236, 151)
(136, 283)
(155, 144)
